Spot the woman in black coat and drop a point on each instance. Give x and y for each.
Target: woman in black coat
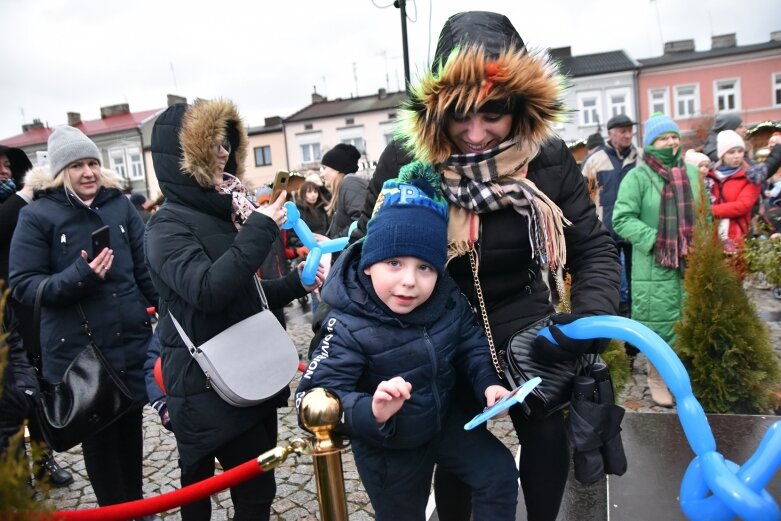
(203, 248)
(485, 120)
(52, 241)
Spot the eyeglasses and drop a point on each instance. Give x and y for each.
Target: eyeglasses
(226, 144)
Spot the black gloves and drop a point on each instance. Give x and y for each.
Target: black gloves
(568, 348)
(162, 409)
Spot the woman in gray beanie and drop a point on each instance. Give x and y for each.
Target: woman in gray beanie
(722, 122)
(349, 191)
(51, 241)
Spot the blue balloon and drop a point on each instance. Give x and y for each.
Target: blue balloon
(712, 488)
(316, 249)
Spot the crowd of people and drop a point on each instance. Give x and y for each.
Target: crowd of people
(466, 227)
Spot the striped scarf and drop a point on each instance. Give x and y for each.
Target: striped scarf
(495, 179)
(676, 213)
(241, 203)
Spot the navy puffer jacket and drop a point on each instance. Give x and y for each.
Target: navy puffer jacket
(47, 243)
(363, 345)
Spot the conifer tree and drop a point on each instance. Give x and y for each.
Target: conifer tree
(724, 345)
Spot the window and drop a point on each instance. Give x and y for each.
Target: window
(618, 102)
(310, 153)
(590, 113)
(307, 126)
(388, 138)
(777, 89)
(687, 101)
(727, 95)
(136, 164)
(657, 101)
(349, 121)
(263, 155)
(116, 158)
(392, 115)
(357, 142)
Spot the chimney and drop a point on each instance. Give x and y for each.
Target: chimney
(679, 46)
(317, 98)
(775, 36)
(273, 121)
(74, 118)
(382, 93)
(173, 99)
(723, 41)
(560, 52)
(36, 124)
(114, 110)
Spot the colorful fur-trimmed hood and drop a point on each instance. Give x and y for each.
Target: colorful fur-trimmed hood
(483, 65)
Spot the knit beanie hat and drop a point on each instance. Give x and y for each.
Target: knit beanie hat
(68, 144)
(726, 140)
(695, 158)
(595, 140)
(263, 194)
(314, 179)
(657, 125)
(343, 158)
(409, 219)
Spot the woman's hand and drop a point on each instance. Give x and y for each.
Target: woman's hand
(102, 263)
(319, 277)
(276, 210)
(389, 397)
(493, 393)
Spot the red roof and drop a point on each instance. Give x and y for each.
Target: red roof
(95, 127)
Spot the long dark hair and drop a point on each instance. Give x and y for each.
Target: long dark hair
(308, 186)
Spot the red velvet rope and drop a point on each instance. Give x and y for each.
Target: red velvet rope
(167, 501)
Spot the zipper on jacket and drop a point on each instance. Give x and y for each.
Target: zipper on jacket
(434, 387)
(124, 234)
(208, 380)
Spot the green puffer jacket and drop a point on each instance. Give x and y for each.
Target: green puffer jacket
(657, 292)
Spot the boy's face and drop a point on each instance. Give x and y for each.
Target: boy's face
(402, 283)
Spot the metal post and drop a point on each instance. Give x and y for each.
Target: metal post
(402, 5)
(319, 412)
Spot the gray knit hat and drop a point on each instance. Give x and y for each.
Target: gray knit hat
(68, 144)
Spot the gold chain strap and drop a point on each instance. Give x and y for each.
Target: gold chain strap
(484, 313)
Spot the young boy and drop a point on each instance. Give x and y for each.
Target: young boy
(399, 331)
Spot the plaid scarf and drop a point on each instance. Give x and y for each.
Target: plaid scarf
(495, 179)
(676, 213)
(242, 205)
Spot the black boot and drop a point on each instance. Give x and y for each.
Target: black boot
(48, 467)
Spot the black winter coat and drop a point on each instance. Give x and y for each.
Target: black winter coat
(203, 268)
(512, 283)
(352, 193)
(363, 344)
(47, 244)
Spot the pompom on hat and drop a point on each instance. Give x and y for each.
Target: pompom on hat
(657, 125)
(409, 219)
(727, 140)
(343, 158)
(66, 145)
(695, 158)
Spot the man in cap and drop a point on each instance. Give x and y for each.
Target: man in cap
(604, 171)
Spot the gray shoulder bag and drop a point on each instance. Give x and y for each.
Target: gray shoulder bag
(249, 362)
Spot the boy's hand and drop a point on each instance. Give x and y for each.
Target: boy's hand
(319, 277)
(389, 397)
(494, 393)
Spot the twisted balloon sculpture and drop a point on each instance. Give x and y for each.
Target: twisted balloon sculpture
(713, 488)
(316, 249)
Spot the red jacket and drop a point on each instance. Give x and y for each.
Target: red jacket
(734, 198)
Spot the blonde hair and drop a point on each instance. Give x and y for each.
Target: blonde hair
(334, 188)
(105, 178)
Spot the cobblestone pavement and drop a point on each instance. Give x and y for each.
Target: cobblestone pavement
(296, 494)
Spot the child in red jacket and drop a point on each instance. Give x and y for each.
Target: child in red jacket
(733, 196)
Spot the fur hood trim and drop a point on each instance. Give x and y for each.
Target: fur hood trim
(40, 178)
(469, 79)
(205, 123)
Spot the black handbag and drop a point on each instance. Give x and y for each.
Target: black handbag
(515, 364)
(90, 397)
(555, 390)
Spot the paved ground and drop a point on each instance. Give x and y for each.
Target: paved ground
(297, 498)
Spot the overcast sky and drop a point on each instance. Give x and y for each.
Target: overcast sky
(63, 56)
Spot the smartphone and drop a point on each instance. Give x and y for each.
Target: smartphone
(101, 238)
(280, 183)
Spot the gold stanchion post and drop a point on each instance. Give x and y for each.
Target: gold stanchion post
(319, 412)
